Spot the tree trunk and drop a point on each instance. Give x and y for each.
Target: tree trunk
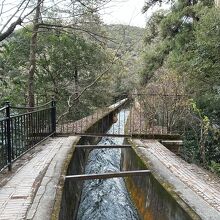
(202, 144)
(77, 112)
(32, 59)
(76, 82)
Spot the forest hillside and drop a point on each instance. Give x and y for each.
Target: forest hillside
(65, 51)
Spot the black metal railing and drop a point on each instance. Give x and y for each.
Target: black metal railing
(4, 139)
(20, 132)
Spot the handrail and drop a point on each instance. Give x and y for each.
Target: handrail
(19, 132)
(25, 107)
(28, 108)
(28, 113)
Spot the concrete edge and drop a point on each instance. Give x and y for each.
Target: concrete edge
(60, 186)
(164, 183)
(109, 111)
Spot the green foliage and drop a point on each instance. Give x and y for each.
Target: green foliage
(13, 67)
(201, 138)
(215, 167)
(154, 58)
(58, 56)
(127, 42)
(186, 40)
(151, 3)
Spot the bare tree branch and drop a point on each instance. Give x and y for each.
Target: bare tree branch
(115, 59)
(84, 5)
(12, 16)
(84, 90)
(2, 5)
(11, 29)
(93, 34)
(19, 21)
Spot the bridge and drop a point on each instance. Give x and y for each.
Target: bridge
(43, 159)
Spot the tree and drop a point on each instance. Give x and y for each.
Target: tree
(165, 100)
(184, 40)
(51, 17)
(74, 54)
(32, 59)
(18, 13)
(15, 15)
(54, 51)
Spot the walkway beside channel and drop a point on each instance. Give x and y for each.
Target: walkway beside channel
(197, 187)
(30, 190)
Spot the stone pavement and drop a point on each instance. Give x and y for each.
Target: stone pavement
(26, 188)
(197, 187)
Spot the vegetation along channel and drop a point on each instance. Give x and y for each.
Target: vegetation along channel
(134, 197)
(78, 74)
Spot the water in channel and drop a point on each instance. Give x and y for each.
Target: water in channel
(106, 199)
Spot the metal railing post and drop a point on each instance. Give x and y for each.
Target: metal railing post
(53, 115)
(8, 133)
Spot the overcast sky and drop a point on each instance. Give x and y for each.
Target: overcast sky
(128, 12)
(124, 12)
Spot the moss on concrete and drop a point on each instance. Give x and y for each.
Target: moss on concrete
(142, 162)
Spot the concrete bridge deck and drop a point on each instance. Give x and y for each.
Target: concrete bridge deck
(29, 192)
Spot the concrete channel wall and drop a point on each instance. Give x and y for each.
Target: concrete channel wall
(69, 191)
(151, 198)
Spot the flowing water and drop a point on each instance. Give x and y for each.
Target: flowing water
(106, 199)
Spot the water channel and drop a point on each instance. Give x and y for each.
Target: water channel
(108, 198)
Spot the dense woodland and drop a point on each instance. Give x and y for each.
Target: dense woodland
(77, 59)
(182, 61)
(63, 49)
